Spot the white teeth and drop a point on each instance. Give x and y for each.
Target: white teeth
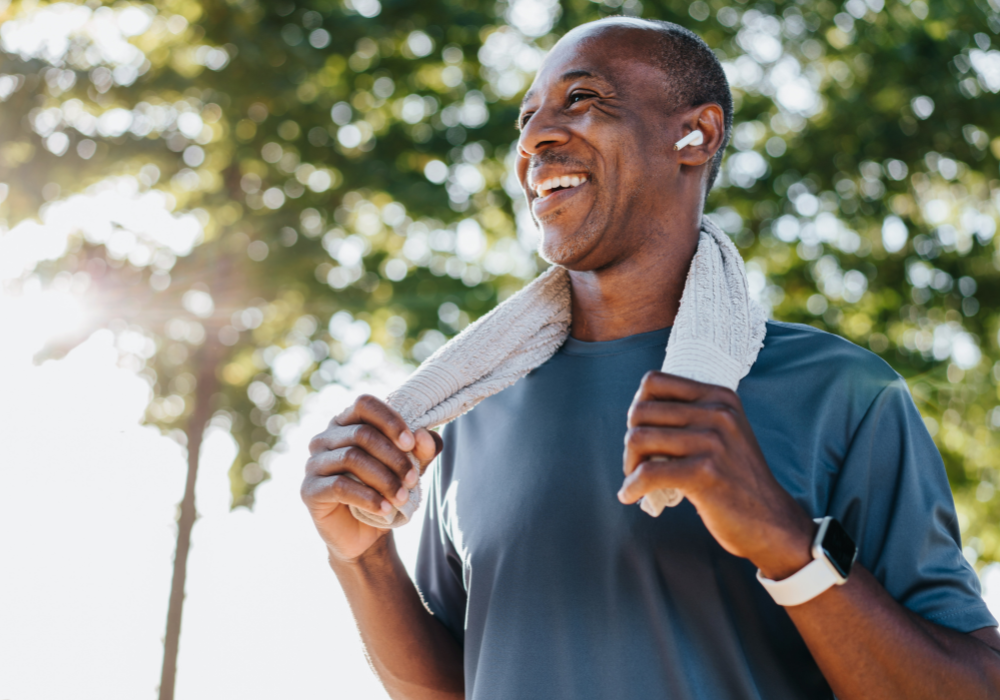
(545, 187)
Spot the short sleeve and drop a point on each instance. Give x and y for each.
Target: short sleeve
(439, 567)
(893, 497)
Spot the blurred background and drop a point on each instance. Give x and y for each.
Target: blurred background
(219, 221)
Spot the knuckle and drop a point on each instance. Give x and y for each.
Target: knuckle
(353, 456)
(311, 465)
(633, 412)
(705, 475)
(367, 401)
(317, 444)
(725, 419)
(725, 396)
(364, 434)
(638, 411)
(339, 487)
(306, 491)
(633, 436)
(706, 469)
(634, 417)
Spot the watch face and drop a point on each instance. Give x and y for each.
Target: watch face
(839, 548)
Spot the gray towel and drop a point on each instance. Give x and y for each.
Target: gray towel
(715, 339)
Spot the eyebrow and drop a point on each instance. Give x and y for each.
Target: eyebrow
(568, 76)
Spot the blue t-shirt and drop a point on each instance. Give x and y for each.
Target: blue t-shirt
(557, 590)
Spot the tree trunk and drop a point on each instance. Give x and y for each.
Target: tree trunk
(207, 384)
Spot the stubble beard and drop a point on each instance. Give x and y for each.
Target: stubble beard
(570, 248)
(573, 248)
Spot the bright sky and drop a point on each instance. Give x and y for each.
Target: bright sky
(87, 503)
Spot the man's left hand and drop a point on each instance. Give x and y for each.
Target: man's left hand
(714, 460)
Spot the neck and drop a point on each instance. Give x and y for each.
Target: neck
(637, 294)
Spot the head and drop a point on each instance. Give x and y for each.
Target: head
(605, 110)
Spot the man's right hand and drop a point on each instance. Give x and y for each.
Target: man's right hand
(369, 440)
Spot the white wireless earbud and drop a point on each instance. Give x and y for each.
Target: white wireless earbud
(695, 138)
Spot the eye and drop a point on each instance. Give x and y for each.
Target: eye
(523, 120)
(579, 96)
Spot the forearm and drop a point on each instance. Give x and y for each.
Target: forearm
(413, 654)
(870, 647)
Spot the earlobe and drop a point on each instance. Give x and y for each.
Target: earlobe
(695, 138)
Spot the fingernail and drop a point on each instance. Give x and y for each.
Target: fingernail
(386, 507)
(403, 495)
(406, 441)
(621, 495)
(411, 478)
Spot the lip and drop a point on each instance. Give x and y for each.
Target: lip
(541, 206)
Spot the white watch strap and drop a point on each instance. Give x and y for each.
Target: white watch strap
(804, 585)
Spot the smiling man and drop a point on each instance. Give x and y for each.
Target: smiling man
(816, 552)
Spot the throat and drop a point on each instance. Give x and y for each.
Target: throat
(610, 319)
(628, 299)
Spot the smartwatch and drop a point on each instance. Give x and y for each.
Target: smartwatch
(833, 553)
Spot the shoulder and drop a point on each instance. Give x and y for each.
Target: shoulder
(802, 347)
(799, 358)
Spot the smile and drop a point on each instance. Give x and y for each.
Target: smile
(557, 184)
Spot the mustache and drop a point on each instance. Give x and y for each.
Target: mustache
(554, 158)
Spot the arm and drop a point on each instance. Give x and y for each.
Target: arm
(866, 644)
(879, 649)
(414, 655)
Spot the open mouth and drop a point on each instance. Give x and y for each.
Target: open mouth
(560, 183)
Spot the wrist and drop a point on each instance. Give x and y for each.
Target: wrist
(790, 551)
(377, 557)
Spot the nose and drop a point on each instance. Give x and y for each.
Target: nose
(543, 131)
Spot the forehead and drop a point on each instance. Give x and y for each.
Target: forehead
(619, 52)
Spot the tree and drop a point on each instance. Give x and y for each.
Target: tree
(250, 193)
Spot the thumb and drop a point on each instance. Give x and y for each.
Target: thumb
(429, 444)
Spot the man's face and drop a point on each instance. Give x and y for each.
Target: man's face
(596, 165)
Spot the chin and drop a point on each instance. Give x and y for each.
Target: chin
(575, 237)
(570, 248)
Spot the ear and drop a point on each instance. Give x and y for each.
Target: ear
(709, 120)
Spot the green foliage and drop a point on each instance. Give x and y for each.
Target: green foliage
(356, 168)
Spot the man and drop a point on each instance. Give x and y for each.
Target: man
(540, 582)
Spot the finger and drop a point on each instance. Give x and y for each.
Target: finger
(438, 442)
(670, 414)
(373, 411)
(379, 446)
(670, 387)
(341, 489)
(644, 442)
(652, 475)
(329, 439)
(354, 460)
(429, 444)
(369, 438)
